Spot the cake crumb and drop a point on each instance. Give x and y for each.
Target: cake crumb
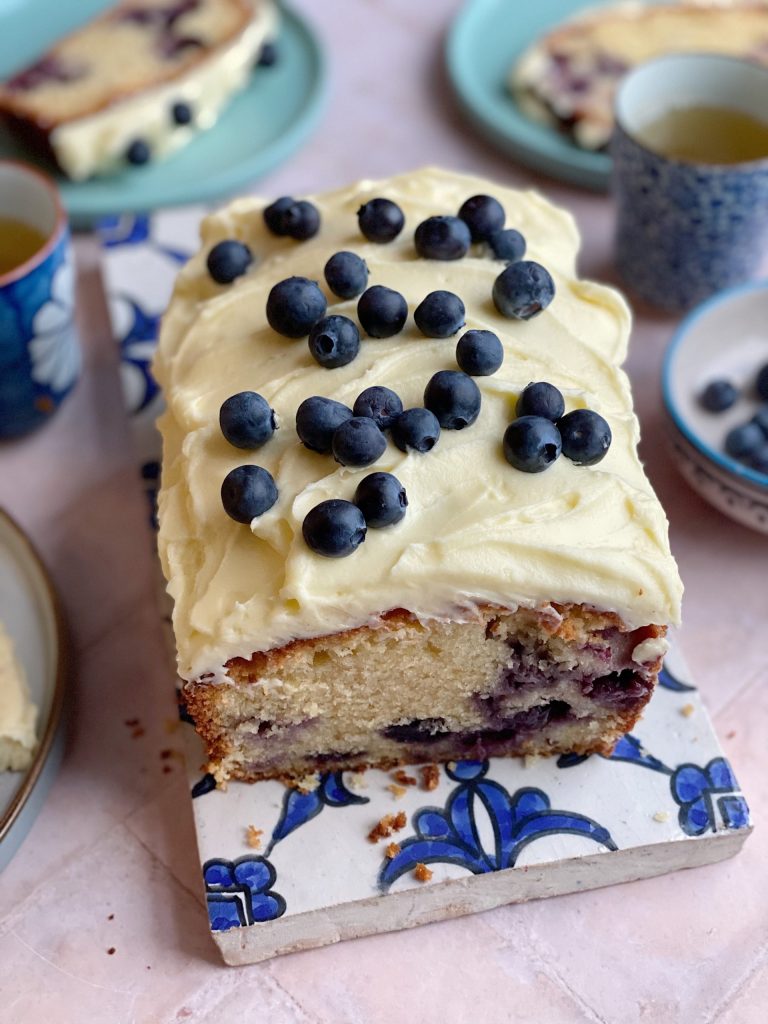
(400, 821)
(422, 873)
(389, 823)
(356, 780)
(111, 951)
(403, 778)
(730, 734)
(253, 837)
(307, 783)
(110, 917)
(132, 722)
(167, 769)
(392, 850)
(661, 816)
(687, 710)
(137, 732)
(397, 791)
(430, 777)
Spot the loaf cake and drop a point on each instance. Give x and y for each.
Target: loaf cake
(503, 580)
(568, 78)
(136, 83)
(18, 714)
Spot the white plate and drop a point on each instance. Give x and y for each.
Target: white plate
(29, 609)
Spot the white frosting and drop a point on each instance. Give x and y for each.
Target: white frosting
(649, 650)
(97, 143)
(476, 531)
(18, 714)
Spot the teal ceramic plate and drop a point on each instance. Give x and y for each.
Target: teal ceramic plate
(485, 40)
(261, 127)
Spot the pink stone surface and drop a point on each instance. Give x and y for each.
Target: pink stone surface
(115, 836)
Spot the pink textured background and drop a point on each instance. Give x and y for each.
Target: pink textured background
(116, 837)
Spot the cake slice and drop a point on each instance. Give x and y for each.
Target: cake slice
(18, 714)
(512, 606)
(568, 78)
(137, 82)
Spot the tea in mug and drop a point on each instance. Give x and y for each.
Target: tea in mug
(707, 135)
(18, 243)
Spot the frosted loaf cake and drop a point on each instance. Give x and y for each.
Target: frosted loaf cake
(18, 715)
(138, 82)
(518, 600)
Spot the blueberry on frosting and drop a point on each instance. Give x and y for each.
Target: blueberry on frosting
(382, 311)
(454, 398)
(274, 215)
(380, 220)
(346, 274)
(181, 113)
(294, 305)
(246, 420)
(358, 442)
(301, 220)
(483, 215)
(228, 260)
(334, 528)
(586, 436)
(381, 404)
(248, 492)
(268, 55)
(317, 420)
(416, 430)
(382, 499)
(540, 399)
(334, 341)
(479, 353)
(442, 238)
(531, 444)
(508, 245)
(440, 315)
(523, 290)
(138, 153)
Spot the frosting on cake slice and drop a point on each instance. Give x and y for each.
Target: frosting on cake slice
(137, 82)
(18, 714)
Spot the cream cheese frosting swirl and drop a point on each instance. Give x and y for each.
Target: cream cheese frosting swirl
(477, 531)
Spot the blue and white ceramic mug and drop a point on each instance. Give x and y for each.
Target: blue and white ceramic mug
(39, 350)
(686, 230)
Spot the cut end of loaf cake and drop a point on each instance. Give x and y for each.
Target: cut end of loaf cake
(510, 683)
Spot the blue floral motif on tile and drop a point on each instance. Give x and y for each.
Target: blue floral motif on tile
(451, 835)
(629, 748)
(135, 229)
(239, 892)
(300, 806)
(205, 784)
(671, 682)
(137, 348)
(703, 792)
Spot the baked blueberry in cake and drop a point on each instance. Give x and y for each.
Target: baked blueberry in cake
(568, 78)
(434, 538)
(137, 82)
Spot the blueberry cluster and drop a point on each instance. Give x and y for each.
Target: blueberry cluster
(292, 218)
(747, 442)
(541, 432)
(336, 528)
(247, 421)
(139, 152)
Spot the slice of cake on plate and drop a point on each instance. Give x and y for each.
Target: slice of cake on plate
(18, 714)
(383, 545)
(138, 82)
(568, 78)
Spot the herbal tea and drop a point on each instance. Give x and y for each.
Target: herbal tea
(707, 135)
(18, 243)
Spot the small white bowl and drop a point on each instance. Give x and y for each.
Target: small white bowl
(724, 337)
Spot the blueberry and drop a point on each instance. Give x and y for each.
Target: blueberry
(227, 260)
(479, 353)
(743, 441)
(523, 290)
(454, 398)
(181, 113)
(380, 404)
(267, 55)
(382, 499)
(247, 492)
(483, 215)
(440, 315)
(334, 528)
(138, 153)
(346, 275)
(761, 419)
(761, 382)
(317, 420)
(508, 245)
(246, 420)
(274, 215)
(718, 396)
(416, 430)
(442, 238)
(334, 341)
(382, 311)
(358, 442)
(758, 460)
(540, 399)
(531, 444)
(586, 436)
(301, 220)
(380, 220)
(294, 305)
